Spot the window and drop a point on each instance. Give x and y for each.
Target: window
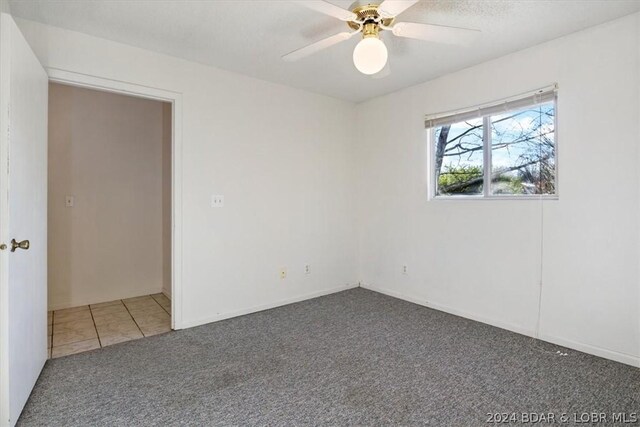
(501, 150)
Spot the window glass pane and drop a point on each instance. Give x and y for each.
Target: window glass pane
(523, 151)
(459, 158)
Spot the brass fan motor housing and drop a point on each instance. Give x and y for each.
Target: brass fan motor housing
(367, 11)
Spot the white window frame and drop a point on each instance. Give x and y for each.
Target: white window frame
(486, 111)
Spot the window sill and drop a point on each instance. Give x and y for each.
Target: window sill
(510, 198)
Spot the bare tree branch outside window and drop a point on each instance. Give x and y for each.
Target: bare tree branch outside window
(522, 145)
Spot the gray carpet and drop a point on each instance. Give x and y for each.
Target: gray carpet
(352, 358)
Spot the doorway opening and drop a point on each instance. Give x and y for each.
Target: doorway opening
(109, 218)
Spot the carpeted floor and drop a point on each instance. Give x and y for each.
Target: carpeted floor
(352, 358)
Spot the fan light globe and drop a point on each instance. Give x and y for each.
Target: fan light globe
(370, 55)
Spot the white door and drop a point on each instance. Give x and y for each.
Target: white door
(23, 216)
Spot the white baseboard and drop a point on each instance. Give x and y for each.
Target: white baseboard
(627, 359)
(257, 308)
(61, 305)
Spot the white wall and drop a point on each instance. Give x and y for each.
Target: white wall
(281, 157)
(482, 259)
(105, 150)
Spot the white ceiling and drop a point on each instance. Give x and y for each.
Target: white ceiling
(249, 37)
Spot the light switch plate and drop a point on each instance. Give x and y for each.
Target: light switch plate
(69, 201)
(217, 201)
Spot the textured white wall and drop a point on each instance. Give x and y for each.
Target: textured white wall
(281, 157)
(106, 150)
(482, 259)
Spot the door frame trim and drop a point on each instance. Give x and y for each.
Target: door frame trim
(72, 78)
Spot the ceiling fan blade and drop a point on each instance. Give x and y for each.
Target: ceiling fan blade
(317, 46)
(435, 33)
(328, 9)
(393, 8)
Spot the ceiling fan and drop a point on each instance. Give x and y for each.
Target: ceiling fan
(370, 17)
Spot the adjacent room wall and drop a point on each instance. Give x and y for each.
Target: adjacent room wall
(486, 259)
(106, 151)
(166, 198)
(282, 158)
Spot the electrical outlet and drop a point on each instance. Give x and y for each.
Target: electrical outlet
(217, 201)
(405, 269)
(307, 269)
(283, 273)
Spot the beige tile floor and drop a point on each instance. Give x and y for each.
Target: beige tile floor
(78, 329)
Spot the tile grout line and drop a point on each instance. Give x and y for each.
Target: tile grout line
(160, 305)
(133, 318)
(95, 326)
